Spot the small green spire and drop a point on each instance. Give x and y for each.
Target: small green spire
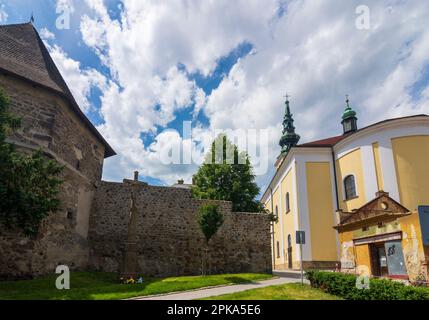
(348, 112)
(289, 138)
(349, 121)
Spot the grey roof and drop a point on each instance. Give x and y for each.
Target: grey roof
(23, 54)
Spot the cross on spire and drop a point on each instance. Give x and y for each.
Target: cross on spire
(287, 96)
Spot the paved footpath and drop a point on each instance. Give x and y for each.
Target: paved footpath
(217, 291)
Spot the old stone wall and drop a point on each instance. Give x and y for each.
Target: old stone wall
(170, 241)
(48, 123)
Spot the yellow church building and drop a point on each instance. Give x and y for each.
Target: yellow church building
(362, 198)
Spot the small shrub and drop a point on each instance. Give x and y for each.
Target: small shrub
(210, 219)
(344, 285)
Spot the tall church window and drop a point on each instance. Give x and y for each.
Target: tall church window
(287, 202)
(277, 212)
(350, 187)
(278, 249)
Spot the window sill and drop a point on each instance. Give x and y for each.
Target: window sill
(352, 198)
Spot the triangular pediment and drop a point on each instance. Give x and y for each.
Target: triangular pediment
(381, 207)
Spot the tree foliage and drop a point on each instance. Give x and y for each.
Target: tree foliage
(227, 175)
(29, 184)
(210, 219)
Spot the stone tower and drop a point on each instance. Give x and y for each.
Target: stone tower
(51, 120)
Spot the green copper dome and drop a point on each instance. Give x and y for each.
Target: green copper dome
(349, 121)
(348, 112)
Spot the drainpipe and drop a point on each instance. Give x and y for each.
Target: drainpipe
(335, 179)
(338, 202)
(272, 233)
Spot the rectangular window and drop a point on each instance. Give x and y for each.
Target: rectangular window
(278, 249)
(287, 203)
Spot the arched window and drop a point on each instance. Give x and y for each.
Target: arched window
(287, 202)
(277, 212)
(289, 241)
(278, 249)
(350, 187)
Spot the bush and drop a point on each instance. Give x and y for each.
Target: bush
(29, 184)
(210, 220)
(344, 285)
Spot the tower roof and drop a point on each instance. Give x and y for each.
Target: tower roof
(23, 54)
(348, 112)
(289, 138)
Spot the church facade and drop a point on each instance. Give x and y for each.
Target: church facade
(319, 185)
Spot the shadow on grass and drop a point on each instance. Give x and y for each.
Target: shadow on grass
(105, 286)
(83, 286)
(239, 280)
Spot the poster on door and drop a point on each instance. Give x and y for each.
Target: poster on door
(395, 258)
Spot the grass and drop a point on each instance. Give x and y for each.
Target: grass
(105, 286)
(290, 291)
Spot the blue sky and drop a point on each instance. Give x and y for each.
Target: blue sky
(141, 68)
(45, 16)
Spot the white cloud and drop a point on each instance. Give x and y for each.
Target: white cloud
(80, 81)
(3, 13)
(310, 49)
(46, 35)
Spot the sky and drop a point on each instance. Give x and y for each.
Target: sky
(140, 68)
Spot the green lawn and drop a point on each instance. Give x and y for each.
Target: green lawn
(104, 286)
(290, 291)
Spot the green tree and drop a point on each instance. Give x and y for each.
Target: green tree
(227, 175)
(29, 184)
(210, 220)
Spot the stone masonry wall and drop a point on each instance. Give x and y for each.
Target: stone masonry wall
(48, 123)
(170, 240)
(170, 243)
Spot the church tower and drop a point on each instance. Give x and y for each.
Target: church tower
(289, 138)
(349, 118)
